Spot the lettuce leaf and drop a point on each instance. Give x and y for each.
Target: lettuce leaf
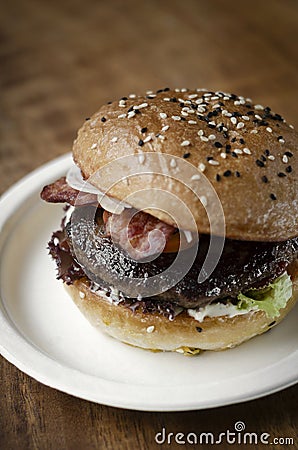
(270, 299)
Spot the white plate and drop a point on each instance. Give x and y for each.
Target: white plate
(44, 335)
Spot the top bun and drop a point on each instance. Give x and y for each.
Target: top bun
(247, 152)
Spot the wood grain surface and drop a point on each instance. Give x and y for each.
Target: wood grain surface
(59, 61)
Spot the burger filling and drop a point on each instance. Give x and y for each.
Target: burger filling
(249, 275)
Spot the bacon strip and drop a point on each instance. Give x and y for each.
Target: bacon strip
(61, 192)
(138, 233)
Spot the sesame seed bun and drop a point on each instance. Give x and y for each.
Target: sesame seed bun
(247, 152)
(184, 334)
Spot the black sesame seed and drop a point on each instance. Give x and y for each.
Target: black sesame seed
(183, 119)
(237, 174)
(225, 135)
(143, 130)
(186, 155)
(281, 175)
(242, 141)
(87, 118)
(250, 113)
(103, 119)
(181, 104)
(233, 139)
(173, 99)
(263, 123)
(141, 143)
(279, 137)
(272, 323)
(227, 173)
(218, 177)
(289, 154)
(130, 109)
(267, 109)
(159, 90)
(260, 163)
(267, 152)
(217, 144)
(264, 179)
(137, 111)
(273, 197)
(234, 155)
(109, 103)
(199, 329)
(289, 169)
(228, 147)
(211, 126)
(263, 158)
(166, 89)
(124, 98)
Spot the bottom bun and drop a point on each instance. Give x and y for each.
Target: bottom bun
(184, 334)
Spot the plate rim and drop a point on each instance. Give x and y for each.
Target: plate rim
(14, 345)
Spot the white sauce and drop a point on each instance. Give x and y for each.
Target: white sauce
(217, 310)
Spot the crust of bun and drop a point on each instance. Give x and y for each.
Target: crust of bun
(258, 203)
(184, 334)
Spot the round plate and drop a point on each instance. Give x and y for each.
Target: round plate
(44, 334)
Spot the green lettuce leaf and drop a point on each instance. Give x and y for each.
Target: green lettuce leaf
(270, 299)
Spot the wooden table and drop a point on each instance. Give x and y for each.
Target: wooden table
(59, 61)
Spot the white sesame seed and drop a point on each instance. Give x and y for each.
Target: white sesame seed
(282, 141)
(161, 137)
(192, 122)
(217, 105)
(165, 128)
(176, 117)
(82, 294)
(291, 126)
(121, 116)
(204, 138)
(202, 167)
(185, 143)
(285, 159)
(167, 99)
(215, 97)
(142, 105)
(200, 132)
(132, 96)
(201, 109)
(240, 125)
(211, 137)
(271, 157)
(187, 102)
(179, 350)
(228, 114)
(254, 131)
(247, 151)
(173, 163)
(184, 113)
(212, 123)
(191, 111)
(183, 90)
(224, 112)
(152, 95)
(193, 96)
(195, 177)
(238, 151)
(226, 98)
(199, 101)
(122, 103)
(242, 101)
(141, 158)
(177, 90)
(147, 139)
(150, 329)
(234, 120)
(249, 100)
(203, 200)
(212, 162)
(163, 115)
(149, 92)
(224, 129)
(259, 107)
(237, 103)
(114, 139)
(207, 94)
(258, 117)
(93, 146)
(185, 108)
(245, 117)
(131, 114)
(223, 155)
(269, 129)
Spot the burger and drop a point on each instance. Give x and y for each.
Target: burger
(130, 216)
